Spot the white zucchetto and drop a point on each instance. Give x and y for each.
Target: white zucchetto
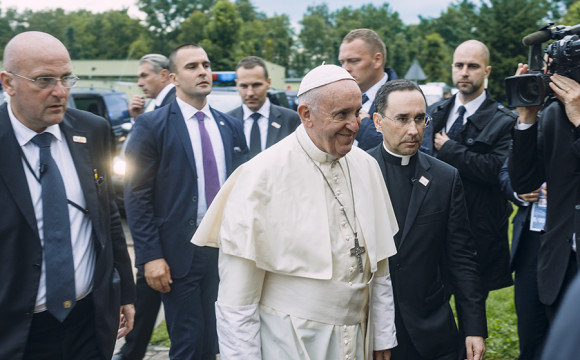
(323, 75)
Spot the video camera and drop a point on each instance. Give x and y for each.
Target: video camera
(563, 58)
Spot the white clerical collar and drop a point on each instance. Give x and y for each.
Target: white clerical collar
(161, 96)
(404, 158)
(23, 134)
(470, 108)
(372, 91)
(311, 149)
(264, 110)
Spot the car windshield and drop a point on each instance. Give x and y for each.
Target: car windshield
(224, 101)
(117, 104)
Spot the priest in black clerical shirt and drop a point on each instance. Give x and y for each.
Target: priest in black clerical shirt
(436, 254)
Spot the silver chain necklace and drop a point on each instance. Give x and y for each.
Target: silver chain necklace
(357, 250)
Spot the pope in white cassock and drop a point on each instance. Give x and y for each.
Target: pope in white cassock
(304, 230)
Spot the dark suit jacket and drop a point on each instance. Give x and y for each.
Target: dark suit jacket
(478, 152)
(161, 188)
(368, 137)
(552, 156)
(286, 118)
(436, 242)
(564, 336)
(519, 218)
(21, 253)
(168, 99)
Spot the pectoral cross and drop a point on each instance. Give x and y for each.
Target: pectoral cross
(357, 251)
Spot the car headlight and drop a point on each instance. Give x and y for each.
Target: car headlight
(119, 165)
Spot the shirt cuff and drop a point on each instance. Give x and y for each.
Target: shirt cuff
(383, 314)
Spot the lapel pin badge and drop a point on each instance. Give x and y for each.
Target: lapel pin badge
(276, 125)
(424, 181)
(80, 139)
(222, 123)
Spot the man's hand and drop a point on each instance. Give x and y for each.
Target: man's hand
(528, 114)
(136, 106)
(568, 92)
(544, 189)
(126, 320)
(382, 355)
(439, 139)
(530, 197)
(475, 346)
(158, 276)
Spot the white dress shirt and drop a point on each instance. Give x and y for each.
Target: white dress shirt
(262, 123)
(372, 92)
(161, 96)
(215, 136)
(84, 255)
(470, 109)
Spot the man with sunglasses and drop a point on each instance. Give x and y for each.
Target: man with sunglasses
(64, 267)
(434, 239)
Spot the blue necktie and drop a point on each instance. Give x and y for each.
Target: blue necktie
(255, 138)
(58, 254)
(365, 98)
(210, 172)
(458, 124)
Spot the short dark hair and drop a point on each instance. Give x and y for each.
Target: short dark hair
(251, 62)
(394, 85)
(372, 39)
(172, 66)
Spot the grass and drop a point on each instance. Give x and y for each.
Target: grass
(502, 343)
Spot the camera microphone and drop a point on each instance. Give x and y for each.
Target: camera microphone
(537, 37)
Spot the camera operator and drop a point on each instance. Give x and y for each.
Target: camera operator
(547, 148)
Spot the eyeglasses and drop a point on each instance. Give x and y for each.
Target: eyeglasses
(48, 82)
(402, 121)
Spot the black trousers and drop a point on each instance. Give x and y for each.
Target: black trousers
(571, 272)
(533, 321)
(147, 306)
(405, 350)
(73, 339)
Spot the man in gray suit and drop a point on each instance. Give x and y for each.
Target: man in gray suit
(264, 123)
(154, 81)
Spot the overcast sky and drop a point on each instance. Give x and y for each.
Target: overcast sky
(408, 10)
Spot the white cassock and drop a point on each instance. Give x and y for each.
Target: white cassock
(289, 287)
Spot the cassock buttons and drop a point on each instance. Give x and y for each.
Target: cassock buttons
(577, 207)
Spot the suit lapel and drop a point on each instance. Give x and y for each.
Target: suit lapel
(178, 123)
(420, 188)
(12, 170)
(85, 167)
(273, 131)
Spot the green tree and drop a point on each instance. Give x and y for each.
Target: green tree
(316, 37)
(222, 35)
(193, 30)
(501, 26)
(572, 17)
(435, 58)
(163, 18)
(279, 39)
